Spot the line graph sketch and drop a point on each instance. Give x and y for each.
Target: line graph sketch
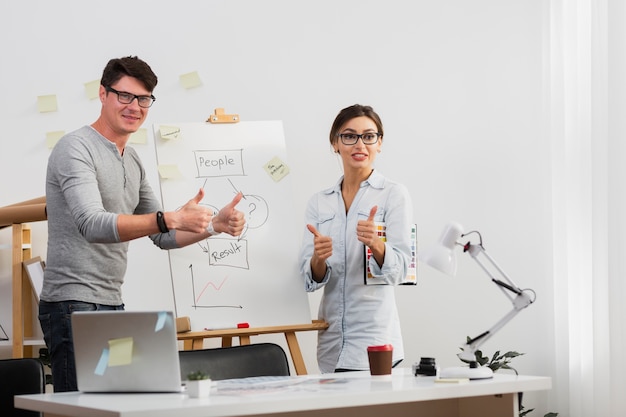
(253, 277)
(207, 286)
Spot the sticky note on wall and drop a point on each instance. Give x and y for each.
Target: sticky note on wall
(276, 169)
(190, 80)
(169, 171)
(92, 88)
(139, 137)
(169, 132)
(47, 103)
(53, 137)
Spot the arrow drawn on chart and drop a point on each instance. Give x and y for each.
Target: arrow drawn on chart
(209, 284)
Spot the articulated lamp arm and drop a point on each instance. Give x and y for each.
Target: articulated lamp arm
(518, 297)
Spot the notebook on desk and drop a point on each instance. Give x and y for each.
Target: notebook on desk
(126, 351)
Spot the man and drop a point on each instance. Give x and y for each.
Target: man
(98, 199)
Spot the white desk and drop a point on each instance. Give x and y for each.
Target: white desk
(402, 394)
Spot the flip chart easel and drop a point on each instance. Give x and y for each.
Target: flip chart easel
(251, 278)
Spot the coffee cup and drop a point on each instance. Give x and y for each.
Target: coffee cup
(380, 359)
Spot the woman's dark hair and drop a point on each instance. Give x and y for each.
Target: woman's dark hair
(132, 67)
(349, 113)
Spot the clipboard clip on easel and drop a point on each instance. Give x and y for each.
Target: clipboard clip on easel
(220, 117)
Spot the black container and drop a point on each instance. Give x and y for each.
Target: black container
(426, 367)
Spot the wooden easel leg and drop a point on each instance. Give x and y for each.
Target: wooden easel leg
(296, 354)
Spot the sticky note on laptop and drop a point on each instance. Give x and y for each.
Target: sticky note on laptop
(120, 351)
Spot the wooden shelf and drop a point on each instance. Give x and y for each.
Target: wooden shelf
(23, 297)
(17, 215)
(34, 342)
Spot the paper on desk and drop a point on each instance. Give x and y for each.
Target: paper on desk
(257, 385)
(275, 384)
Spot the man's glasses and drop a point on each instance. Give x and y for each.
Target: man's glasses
(368, 138)
(127, 98)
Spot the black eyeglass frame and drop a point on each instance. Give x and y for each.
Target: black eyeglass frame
(343, 138)
(134, 96)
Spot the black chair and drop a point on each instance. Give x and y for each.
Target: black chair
(17, 377)
(260, 359)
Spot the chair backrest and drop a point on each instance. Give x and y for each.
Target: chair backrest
(260, 359)
(20, 376)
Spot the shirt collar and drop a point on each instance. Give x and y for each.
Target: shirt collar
(112, 146)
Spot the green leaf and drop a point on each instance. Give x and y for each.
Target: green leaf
(512, 354)
(480, 358)
(197, 375)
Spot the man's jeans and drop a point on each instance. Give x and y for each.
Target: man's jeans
(57, 332)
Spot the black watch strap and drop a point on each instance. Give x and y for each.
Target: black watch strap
(161, 222)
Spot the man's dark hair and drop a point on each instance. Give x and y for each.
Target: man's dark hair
(130, 66)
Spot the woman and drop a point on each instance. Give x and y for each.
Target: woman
(342, 221)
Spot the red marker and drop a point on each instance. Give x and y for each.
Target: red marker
(237, 326)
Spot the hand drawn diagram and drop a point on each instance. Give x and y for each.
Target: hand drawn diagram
(251, 278)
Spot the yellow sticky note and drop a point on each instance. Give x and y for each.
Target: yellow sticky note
(139, 137)
(277, 169)
(92, 88)
(169, 132)
(53, 137)
(190, 80)
(120, 351)
(170, 171)
(47, 103)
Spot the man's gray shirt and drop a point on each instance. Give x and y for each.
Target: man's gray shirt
(88, 184)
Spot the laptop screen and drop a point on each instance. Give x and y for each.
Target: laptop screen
(126, 351)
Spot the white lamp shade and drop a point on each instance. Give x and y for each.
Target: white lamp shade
(442, 256)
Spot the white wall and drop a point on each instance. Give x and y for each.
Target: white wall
(459, 86)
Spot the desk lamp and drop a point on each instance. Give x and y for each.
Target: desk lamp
(443, 258)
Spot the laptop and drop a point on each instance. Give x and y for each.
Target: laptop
(126, 351)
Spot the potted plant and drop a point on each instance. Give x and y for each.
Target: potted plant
(198, 384)
(503, 361)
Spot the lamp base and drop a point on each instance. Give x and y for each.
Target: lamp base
(482, 372)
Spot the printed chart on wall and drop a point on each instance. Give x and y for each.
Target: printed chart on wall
(224, 280)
